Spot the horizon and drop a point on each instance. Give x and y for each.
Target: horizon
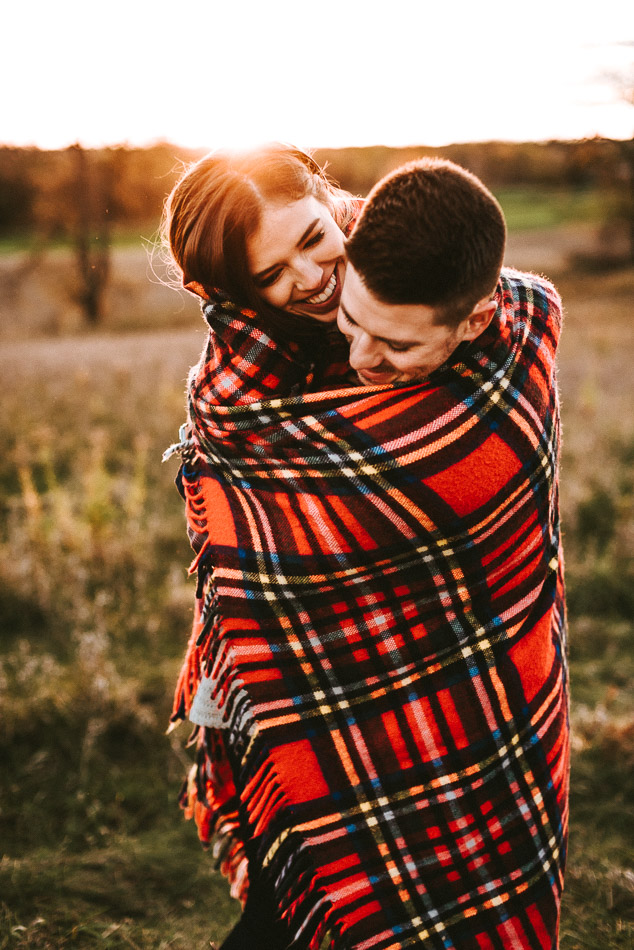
(167, 143)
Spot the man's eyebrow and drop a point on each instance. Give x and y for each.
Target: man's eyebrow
(268, 270)
(383, 339)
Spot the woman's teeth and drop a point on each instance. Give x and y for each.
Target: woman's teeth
(327, 292)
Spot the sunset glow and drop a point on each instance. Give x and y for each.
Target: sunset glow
(205, 73)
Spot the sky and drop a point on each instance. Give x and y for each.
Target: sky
(211, 73)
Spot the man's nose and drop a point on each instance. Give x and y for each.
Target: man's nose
(365, 351)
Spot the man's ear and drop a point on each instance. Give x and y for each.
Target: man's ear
(479, 319)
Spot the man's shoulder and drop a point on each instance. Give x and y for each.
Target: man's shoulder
(533, 291)
(531, 300)
(522, 282)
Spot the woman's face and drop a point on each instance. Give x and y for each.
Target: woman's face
(296, 258)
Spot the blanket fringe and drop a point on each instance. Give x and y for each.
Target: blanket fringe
(204, 629)
(209, 797)
(189, 676)
(209, 794)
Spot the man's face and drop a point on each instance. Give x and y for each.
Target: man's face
(393, 343)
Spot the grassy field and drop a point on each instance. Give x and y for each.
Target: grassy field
(95, 606)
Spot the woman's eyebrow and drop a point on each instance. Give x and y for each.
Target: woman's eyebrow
(268, 270)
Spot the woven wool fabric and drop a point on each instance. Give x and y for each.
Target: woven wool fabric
(380, 607)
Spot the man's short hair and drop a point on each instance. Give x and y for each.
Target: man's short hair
(430, 233)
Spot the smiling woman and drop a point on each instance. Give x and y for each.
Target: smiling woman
(265, 226)
(259, 237)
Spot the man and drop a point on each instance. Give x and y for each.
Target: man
(424, 293)
(381, 599)
(423, 265)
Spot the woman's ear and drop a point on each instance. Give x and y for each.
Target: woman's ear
(195, 288)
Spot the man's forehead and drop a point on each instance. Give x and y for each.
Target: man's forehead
(397, 322)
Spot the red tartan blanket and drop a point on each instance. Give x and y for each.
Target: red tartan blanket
(380, 608)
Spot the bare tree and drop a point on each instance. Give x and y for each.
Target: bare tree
(91, 188)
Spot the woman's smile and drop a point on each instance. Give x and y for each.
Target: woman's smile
(324, 304)
(327, 292)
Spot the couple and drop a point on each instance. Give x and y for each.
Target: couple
(377, 666)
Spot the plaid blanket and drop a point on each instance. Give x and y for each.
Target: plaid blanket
(380, 607)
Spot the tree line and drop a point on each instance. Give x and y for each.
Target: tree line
(87, 197)
(50, 193)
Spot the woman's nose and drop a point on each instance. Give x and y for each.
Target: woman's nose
(308, 274)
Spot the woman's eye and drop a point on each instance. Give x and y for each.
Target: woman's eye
(269, 279)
